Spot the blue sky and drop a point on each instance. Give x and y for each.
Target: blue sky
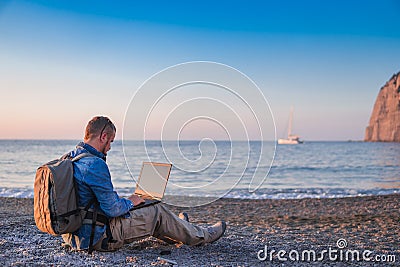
(61, 62)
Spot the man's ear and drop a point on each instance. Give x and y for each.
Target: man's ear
(103, 137)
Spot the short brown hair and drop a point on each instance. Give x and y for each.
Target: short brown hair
(98, 125)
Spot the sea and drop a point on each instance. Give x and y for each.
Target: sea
(237, 169)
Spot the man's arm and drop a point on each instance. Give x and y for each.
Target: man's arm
(99, 180)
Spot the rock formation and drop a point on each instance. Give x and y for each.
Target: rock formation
(384, 124)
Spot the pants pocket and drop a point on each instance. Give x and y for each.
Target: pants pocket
(139, 225)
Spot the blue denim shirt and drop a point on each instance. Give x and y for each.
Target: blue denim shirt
(93, 179)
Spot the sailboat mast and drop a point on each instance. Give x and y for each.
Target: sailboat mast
(290, 122)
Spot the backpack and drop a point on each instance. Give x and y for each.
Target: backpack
(56, 208)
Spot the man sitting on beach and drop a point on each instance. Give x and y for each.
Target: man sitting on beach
(93, 180)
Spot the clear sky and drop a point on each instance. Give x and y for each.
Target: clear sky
(61, 62)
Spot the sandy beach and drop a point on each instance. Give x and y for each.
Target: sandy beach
(257, 231)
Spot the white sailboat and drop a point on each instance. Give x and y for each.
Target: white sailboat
(292, 139)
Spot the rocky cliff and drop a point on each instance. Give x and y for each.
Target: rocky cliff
(384, 124)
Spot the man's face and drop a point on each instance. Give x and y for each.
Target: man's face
(108, 139)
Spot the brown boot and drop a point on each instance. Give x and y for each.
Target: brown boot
(215, 232)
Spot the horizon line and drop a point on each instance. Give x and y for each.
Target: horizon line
(174, 140)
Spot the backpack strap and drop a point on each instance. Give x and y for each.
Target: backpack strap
(76, 158)
(94, 215)
(94, 220)
(93, 201)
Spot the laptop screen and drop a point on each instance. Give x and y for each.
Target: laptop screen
(153, 179)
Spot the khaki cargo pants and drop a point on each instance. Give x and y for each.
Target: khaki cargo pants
(157, 221)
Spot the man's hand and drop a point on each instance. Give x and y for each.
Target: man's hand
(136, 200)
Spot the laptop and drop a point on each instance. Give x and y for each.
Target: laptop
(152, 182)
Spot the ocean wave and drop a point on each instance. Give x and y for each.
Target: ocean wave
(300, 193)
(285, 193)
(16, 192)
